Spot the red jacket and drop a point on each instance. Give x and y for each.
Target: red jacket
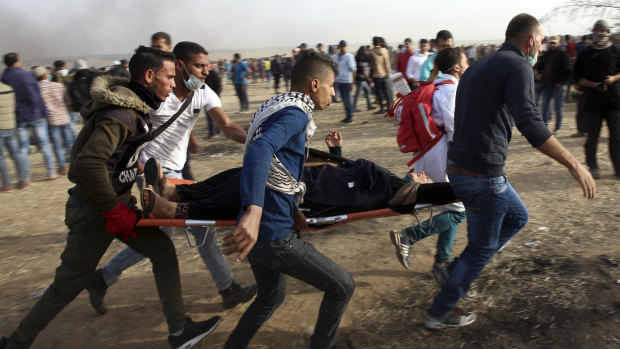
(401, 63)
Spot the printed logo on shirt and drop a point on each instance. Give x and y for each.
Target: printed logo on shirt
(196, 111)
(128, 176)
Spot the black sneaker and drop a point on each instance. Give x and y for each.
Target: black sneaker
(97, 288)
(454, 318)
(402, 248)
(236, 294)
(595, 172)
(193, 332)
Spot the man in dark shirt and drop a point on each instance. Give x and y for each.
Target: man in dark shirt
(597, 71)
(555, 70)
(494, 94)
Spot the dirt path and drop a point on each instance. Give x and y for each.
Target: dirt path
(558, 294)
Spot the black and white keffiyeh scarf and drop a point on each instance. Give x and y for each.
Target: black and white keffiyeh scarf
(279, 178)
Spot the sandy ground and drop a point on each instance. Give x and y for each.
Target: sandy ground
(562, 293)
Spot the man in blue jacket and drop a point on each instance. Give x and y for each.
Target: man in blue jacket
(276, 147)
(494, 94)
(30, 113)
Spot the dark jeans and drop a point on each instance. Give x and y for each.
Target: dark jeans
(381, 90)
(345, 94)
(554, 93)
(212, 128)
(359, 87)
(276, 80)
(580, 117)
(495, 214)
(593, 123)
(87, 241)
(271, 261)
(242, 93)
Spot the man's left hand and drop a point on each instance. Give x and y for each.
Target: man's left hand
(244, 236)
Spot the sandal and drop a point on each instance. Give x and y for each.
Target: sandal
(146, 209)
(151, 174)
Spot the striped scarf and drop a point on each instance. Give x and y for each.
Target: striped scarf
(279, 178)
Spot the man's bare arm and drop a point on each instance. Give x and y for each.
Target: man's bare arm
(228, 128)
(555, 150)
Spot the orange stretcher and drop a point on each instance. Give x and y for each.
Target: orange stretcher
(313, 224)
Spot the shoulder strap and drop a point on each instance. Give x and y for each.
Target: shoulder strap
(165, 125)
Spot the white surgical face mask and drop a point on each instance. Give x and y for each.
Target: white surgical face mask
(193, 83)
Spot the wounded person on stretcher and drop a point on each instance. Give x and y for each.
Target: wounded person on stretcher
(351, 186)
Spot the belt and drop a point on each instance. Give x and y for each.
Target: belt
(459, 171)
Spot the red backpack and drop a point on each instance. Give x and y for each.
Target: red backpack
(417, 131)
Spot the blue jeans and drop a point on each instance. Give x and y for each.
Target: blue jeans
(271, 261)
(211, 126)
(209, 252)
(538, 91)
(8, 139)
(359, 87)
(555, 93)
(242, 93)
(495, 214)
(345, 94)
(39, 128)
(446, 225)
(75, 119)
(62, 140)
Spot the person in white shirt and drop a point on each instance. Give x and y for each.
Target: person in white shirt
(170, 149)
(452, 62)
(414, 65)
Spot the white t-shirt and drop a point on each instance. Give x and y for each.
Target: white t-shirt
(170, 147)
(414, 65)
(433, 163)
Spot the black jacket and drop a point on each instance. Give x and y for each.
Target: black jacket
(554, 67)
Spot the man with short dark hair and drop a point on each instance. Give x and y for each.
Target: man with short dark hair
(161, 41)
(554, 67)
(170, 150)
(100, 206)
(403, 59)
(452, 63)
(494, 94)
(428, 72)
(414, 66)
(30, 112)
(597, 71)
(272, 167)
(60, 71)
(277, 68)
(380, 69)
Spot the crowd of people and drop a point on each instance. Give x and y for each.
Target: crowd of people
(138, 121)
